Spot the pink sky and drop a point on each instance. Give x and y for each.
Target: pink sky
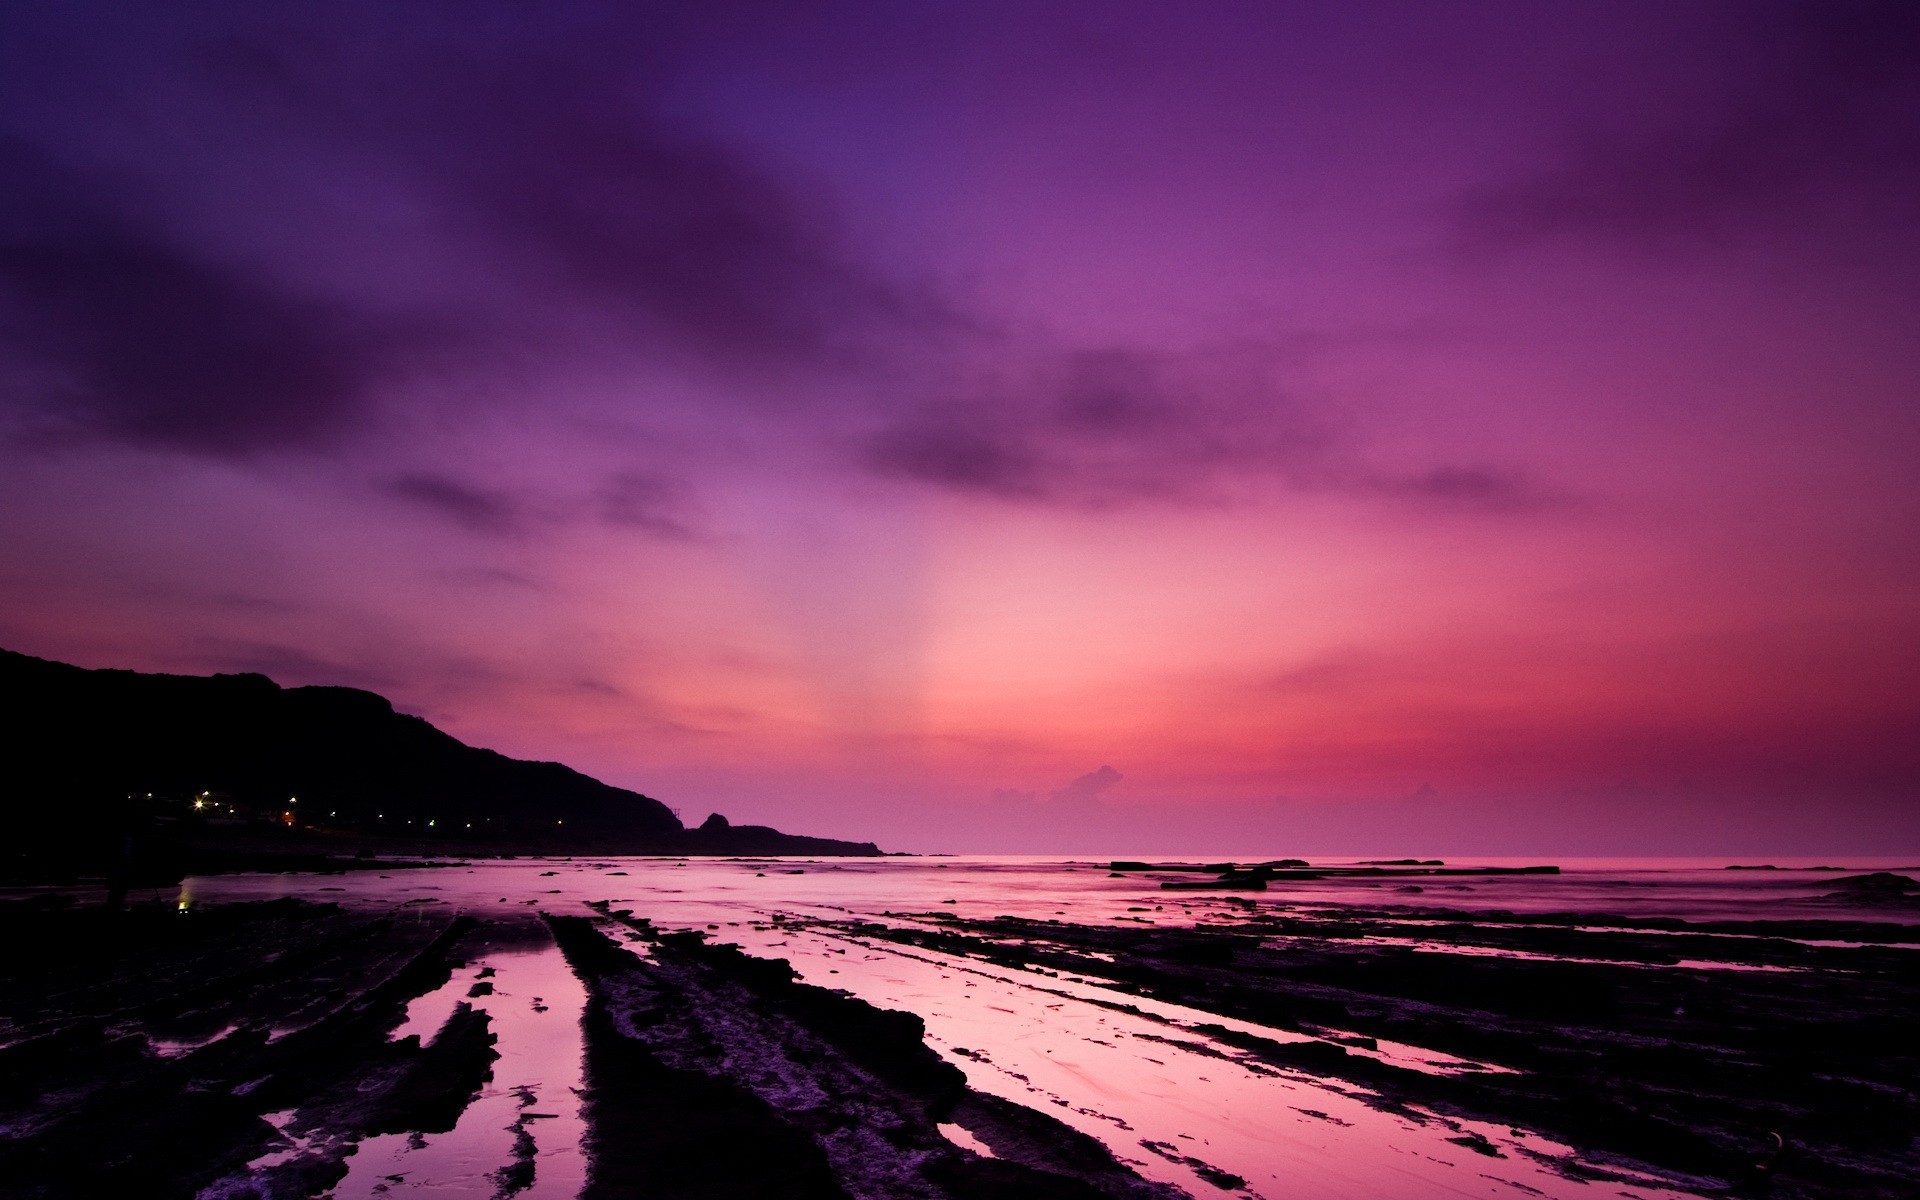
(1004, 427)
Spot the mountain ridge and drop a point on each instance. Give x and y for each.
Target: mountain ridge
(195, 754)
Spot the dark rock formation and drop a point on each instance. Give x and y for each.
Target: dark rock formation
(292, 1005)
(1882, 888)
(1800, 1083)
(1878, 881)
(712, 1074)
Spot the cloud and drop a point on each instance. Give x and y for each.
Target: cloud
(548, 142)
(365, 208)
(479, 510)
(716, 251)
(1332, 673)
(651, 504)
(289, 666)
(280, 214)
(1473, 489)
(963, 454)
(1088, 788)
(491, 577)
(655, 505)
(1108, 428)
(1021, 815)
(1117, 428)
(1822, 111)
(136, 337)
(379, 210)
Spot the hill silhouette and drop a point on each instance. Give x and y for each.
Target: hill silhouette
(211, 757)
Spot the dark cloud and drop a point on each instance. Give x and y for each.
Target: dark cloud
(1114, 392)
(1333, 673)
(134, 337)
(479, 510)
(1024, 815)
(1821, 120)
(1487, 490)
(1109, 428)
(1087, 788)
(1118, 428)
(651, 504)
(553, 209)
(492, 577)
(221, 600)
(965, 454)
(267, 606)
(654, 505)
(220, 278)
(718, 252)
(288, 666)
(548, 141)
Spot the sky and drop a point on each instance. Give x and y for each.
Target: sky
(1094, 427)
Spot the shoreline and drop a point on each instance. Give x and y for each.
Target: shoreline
(1659, 1055)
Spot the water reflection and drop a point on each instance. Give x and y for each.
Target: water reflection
(1172, 1100)
(522, 1136)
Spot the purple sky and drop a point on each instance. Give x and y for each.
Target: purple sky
(1104, 426)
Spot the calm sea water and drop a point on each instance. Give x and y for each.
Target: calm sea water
(695, 891)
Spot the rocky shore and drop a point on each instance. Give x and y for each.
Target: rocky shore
(276, 1049)
(1744, 1055)
(698, 1053)
(244, 1051)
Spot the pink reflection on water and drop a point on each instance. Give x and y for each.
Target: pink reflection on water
(1129, 1080)
(705, 890)
(534, 1010)
(1161, 1093)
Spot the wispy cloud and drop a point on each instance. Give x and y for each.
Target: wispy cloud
(1121, 428)
(1087, 788)
(476, 509)
(135, 335)
(1489, 490)
(647, 503)
(1824, 112)
(291, 666)
(1107, 428)
(492, 187)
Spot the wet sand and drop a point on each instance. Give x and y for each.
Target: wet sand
(773, 1027)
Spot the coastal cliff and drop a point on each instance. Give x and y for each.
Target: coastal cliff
(238, 760)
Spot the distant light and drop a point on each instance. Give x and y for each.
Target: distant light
(429, 824)
(199, 803)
